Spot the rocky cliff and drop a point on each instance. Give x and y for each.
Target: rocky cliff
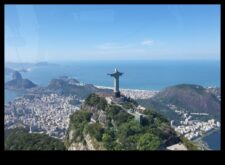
(18, 82)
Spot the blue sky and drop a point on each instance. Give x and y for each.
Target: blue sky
(111, 32)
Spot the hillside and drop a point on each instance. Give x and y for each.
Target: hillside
(191, 98)
(102, 126)
(68, 86)
(20, 139)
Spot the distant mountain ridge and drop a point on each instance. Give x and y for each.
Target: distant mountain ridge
(67, 86)
(193, 98)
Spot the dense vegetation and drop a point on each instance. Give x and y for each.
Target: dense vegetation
(189, 144)
(160, 108)
(78, 121)
(20, 139)
(96, 101)
(121, 131)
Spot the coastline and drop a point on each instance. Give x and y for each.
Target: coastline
(124, 89)
(207, 134)
(203, 144)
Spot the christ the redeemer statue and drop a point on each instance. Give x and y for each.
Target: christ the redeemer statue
(116, 76)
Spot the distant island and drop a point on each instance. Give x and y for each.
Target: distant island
(24, 67)
(18, 83)
(42, 64)
(8, 71)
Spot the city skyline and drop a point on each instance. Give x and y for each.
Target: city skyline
(111, 32)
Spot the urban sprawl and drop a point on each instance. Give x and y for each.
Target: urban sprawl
(50, 113)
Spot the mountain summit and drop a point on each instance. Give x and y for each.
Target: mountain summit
(18, 82)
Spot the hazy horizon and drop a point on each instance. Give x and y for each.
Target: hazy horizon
(109, 60)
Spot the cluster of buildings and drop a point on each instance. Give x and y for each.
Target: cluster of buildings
(47, 113)
(197, 128)
(134, 93)
(192, 129)
(138, 94)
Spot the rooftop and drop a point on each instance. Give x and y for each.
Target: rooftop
(177, 146)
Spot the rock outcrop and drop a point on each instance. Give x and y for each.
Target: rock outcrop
(18, 83)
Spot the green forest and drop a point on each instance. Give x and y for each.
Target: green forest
(122, 131)
(20, 139)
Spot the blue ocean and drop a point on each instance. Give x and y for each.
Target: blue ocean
(150, 75)
(213, 140)
(147, 75)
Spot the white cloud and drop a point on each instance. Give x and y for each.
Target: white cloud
(147, 42)
(110, 46)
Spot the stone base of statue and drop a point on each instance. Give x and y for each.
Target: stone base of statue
(117, 94)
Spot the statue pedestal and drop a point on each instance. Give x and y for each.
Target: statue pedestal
(117, 94)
